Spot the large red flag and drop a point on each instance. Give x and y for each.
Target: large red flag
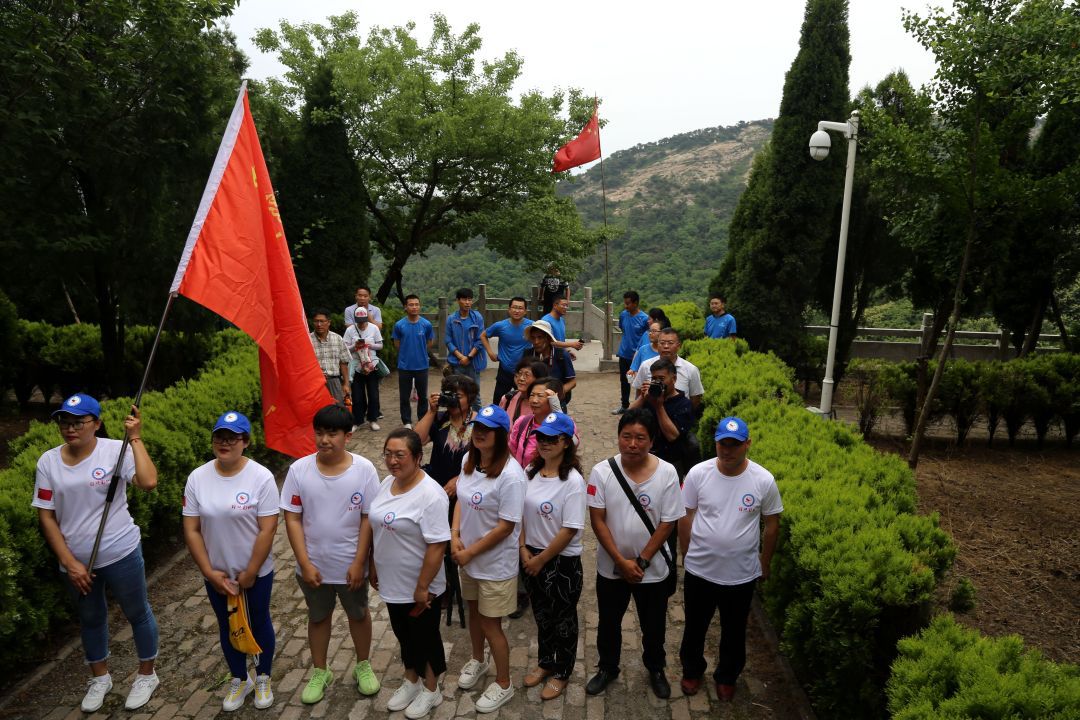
(236, 263)
(582, 149)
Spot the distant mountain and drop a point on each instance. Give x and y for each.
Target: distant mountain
(674, 197)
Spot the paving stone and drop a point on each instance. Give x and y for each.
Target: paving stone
(360, 709)
(292, 679)
(194, 703)
(166, 711)
(680, 709)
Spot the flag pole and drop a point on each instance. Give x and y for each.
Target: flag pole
(603, 195)
(111, 494)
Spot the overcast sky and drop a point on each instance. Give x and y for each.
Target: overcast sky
(661, 68)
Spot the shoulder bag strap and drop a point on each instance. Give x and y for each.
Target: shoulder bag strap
(637, 506)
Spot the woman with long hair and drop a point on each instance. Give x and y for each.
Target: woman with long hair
(484, 542)
(230, 517)
(69, 494)
(408, 529)
(550, 551)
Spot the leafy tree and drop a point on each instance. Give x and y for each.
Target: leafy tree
(109, 112)
(787, 220)
(443, 152)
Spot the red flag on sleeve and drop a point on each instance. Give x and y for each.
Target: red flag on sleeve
(236, 263)
(582, 149)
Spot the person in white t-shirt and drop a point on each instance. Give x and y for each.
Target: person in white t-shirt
(69, 494)
(728, 500)
(230, 517)
(629, 560)
(326, 498)
(550, 549)
(364, 341)
(484, 544)
(687, 376)
(410, 529)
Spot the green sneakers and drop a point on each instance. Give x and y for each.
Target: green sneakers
(316, 687)
(366, 682)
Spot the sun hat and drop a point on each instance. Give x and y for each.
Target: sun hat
(79, 404)
(543, 326)
(234, 421)
(732, 427)
(556, 423)
(493, 416)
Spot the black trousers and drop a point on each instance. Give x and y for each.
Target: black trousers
(365, 390)
(554, 594)
(406, 378)
(612, 599)
(701, 599)
(624, 384)
(504, 381)
(419, 638)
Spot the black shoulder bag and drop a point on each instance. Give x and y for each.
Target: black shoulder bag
(672, 580)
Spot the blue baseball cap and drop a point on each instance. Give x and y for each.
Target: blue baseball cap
(80, 404)
(493, 416)
(732, 427)
(232, 420)
(556, 423)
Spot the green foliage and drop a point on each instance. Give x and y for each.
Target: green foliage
(176, 431)
(856, 566)
(959, 396)
(870, 391)
(962, 598)
(9, 343)
(949, 671)
(688, 318)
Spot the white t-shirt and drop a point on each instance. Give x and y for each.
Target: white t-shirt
(552, 504)
(725, 534)
(687, 376)
(332, 509)
(483, 502)
(402, 527)
(76, 493)
(229, 509)
(659, 496)
(370, 335)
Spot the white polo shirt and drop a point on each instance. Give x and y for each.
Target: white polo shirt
(482, 502)
(687, 376)
(229, 509)
(402, 527)
(659, 497)
(726, 532)
(332, 508)
(552, 504)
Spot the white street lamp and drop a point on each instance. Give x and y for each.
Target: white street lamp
(820, 142)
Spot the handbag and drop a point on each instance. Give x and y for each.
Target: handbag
(381, 368)
(240, 636)
(672, 580)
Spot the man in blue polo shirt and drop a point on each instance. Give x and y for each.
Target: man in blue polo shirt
(633, 324)
(512, 343)
(719, 324)
(557, 320)
(412, 336)
(464, 351)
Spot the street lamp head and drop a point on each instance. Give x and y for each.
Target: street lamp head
(820, 144)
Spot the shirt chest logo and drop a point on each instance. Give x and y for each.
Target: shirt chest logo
(97, 477)
(476, 500)
(388, 522)
(749, 503)
(546, 509)
(242, 501)
(356, 501)
(645, 500)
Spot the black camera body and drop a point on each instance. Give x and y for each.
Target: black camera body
(448, 399)
(656, 388)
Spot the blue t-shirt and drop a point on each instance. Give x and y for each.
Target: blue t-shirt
(512, 342)
(645, 351)
(414, 338)
(558, 327)
(633, 327)
(719, 327)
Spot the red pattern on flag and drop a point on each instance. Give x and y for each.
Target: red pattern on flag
(237, 263)
(582, 149)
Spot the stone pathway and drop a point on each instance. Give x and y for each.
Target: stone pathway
(192, 669)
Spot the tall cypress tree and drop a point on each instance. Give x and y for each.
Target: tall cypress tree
(789, 216)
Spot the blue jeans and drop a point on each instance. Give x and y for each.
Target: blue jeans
(406, 378)
(126, 580)
(262, 629)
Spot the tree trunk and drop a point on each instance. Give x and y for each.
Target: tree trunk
(1031, 339)
(1055, 312)
(112, 336)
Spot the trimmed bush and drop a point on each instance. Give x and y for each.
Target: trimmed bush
(688, 318)
(176, 431)
(949, 671)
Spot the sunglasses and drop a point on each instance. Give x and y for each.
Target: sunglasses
(545, 439)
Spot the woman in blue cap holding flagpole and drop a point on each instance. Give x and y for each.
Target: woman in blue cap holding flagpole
(69, 494)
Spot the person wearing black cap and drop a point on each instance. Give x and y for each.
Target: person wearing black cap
(230, 517)
(69, 494)
(727, 501)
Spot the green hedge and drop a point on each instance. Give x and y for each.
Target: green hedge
(949, 671)
(1043, 390)
(176, 431)
(856, 567)
(688, 318)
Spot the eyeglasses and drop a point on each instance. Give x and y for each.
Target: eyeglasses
(399, 455)
(226, 440)
(545, 439)
(73, 424)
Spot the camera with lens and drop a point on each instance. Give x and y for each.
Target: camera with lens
(656, 388)
(448, 399)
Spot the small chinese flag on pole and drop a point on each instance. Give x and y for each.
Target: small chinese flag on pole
(236, 262)
(582, 149)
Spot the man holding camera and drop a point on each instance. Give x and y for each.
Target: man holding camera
(687, 376)
(672, 409)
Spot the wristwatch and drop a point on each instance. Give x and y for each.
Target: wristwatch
(642, 562)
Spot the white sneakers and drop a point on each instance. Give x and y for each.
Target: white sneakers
(424, 702)
(375, 427)
(96, 690)
(238, 690)
(404, 695)
(471, 673)
(494, 698)
(141, 690)
(264, 696)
